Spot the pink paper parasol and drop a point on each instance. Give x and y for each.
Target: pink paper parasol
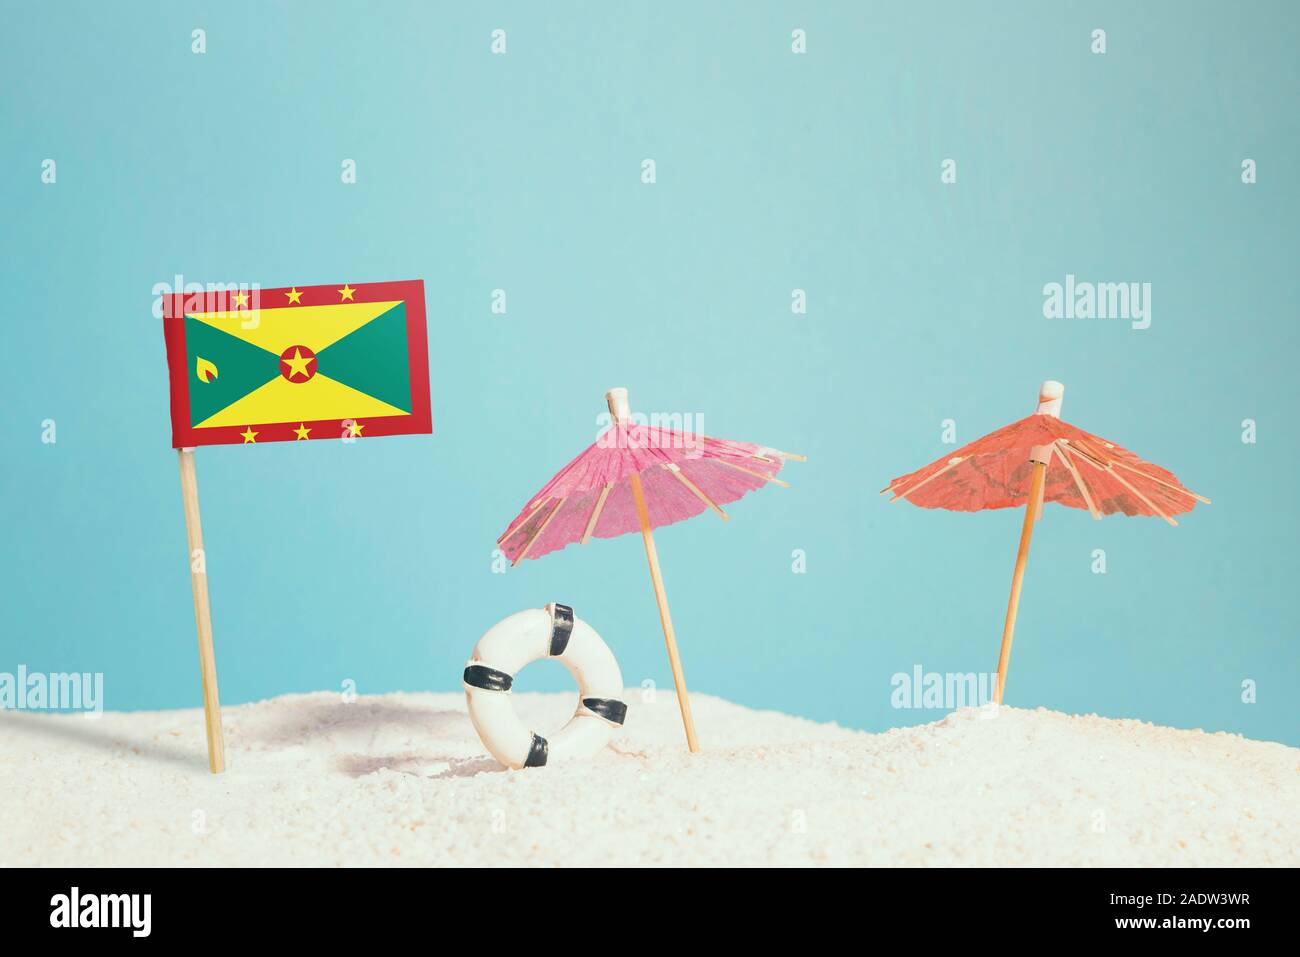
(639, 477)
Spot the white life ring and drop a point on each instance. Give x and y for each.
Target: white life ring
(527, 636)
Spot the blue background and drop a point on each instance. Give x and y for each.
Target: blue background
(373, 561)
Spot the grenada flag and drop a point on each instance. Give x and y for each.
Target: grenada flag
(309, 362)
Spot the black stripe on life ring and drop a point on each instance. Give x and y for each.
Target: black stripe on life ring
(611, 709)
(561, 629)
(536, 752)
(489, 679)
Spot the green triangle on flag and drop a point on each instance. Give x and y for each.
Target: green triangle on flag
(231, 368)
(373, 359)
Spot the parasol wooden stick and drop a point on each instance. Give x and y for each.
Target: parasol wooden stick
(952, 464)
(618, 408)
(1018, 576)
(695, 490)
(595, 513)
(758, 475)
(537, 533)
(1049, 403)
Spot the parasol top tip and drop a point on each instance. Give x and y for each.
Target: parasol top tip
(1049, 398)
(616, 399)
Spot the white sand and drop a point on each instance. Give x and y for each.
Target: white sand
(402, 779)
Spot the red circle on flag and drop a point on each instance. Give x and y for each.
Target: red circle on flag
(297, 363)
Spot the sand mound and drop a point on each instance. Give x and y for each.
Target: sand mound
(402, 779)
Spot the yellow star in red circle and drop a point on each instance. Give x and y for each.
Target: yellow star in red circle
(302, 431)
(346, 293)
(294, 296)
(355, 429)
(297, 363)
(249, 435)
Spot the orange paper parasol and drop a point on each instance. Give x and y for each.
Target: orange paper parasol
(1043, 459)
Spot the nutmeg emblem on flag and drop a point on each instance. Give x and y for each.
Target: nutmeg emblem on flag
(310, 362)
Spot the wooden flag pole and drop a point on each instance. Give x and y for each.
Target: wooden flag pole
(202, 613)
(1049, 403)
(618, 407)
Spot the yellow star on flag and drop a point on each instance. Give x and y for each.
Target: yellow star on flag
(241, 299)
(297, 364)
(302, 431)
(346, 293)
(294, 296)
(249, 435)
(355, 428)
